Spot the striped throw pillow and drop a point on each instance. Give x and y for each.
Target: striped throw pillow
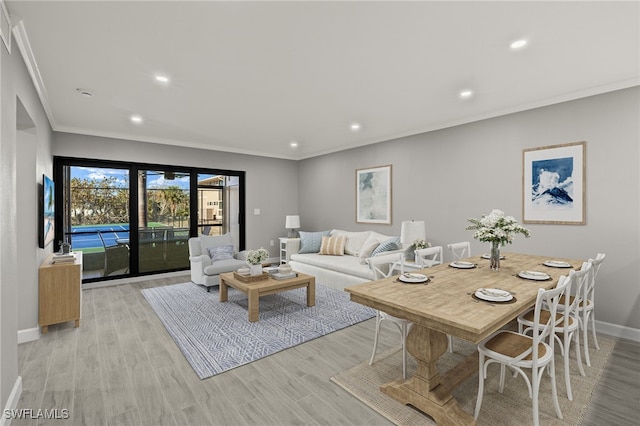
(333, 246)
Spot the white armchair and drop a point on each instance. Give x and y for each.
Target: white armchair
(205, 269)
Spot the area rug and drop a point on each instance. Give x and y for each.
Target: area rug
(215, 337)
(513, 407)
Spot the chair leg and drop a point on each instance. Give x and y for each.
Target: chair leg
(593, 329)
(502, 374)
(578, 354)
(481, 377)
(554, 389)
(375, 340)
(567, 375)
(450, 340)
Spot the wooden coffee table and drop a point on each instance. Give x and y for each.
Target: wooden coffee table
(254, 290)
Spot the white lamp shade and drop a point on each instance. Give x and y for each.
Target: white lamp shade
(412, 230)
(292, 222)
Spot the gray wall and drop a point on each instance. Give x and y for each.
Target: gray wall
(271, 184)
(445, 177)
(25, 154)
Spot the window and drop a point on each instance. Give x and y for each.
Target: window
(133, 219)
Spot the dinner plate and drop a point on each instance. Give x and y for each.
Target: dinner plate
(493, 295)
(462, 265)
(413, 278)
(488, 256)
(557, 264)
(533, 275)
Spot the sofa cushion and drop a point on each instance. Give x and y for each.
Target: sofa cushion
(348, 265)
(333, 246)
(208, 241)
(354, 240)
(310, 242)
(220, 253)
(367, 248)
(222, 266)
(388, 245)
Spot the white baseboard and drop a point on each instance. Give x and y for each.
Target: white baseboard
(12, 402)
(28, 335)
(618, 331)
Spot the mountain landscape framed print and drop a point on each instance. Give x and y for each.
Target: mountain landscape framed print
(553, 184)
(373, 195)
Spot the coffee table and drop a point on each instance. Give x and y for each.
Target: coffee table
(254, 290)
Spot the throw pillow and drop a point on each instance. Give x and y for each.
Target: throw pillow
(333, 246)
(310, 242)
(354, 240)
(220, 253)
(367, 248)
(388, 245)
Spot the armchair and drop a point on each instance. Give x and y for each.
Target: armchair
(210, 256)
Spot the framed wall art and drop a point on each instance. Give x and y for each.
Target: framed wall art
(553, 184)
(373, 195)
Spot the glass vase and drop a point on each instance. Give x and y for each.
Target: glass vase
(494, 259)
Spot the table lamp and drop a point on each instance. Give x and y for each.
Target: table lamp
(292, 223)
(410, 231)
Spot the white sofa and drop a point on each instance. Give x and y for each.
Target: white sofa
(340, 271)
(205, 269)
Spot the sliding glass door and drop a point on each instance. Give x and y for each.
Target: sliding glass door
(134, 219)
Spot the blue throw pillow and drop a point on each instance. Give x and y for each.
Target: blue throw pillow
(388, 245)
(310, 242)
(220, 253)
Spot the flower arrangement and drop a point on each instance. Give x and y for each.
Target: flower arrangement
(495, 227)
(420, 244)
(256, 257)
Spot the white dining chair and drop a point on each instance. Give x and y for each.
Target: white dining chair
(428, 257)
(384, 266)
(518, 351)
(460, 250)
(567, 312)
(586, 309)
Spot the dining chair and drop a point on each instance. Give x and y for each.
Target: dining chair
(460, 250)
(586, 309)
(428, 257)
(384, 266)
(567, 313)
(518, 351)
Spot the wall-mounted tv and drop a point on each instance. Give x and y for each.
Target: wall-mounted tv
(47, 212)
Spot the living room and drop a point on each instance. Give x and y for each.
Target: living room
(443, 177)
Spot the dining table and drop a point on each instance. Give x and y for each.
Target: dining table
(447, 304)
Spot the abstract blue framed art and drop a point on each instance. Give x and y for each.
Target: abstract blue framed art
(553, 184)
(373, 195)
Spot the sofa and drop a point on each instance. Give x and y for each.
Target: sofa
(210, 256)
(338, 258)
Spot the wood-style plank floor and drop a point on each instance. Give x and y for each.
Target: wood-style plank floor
(121, 367)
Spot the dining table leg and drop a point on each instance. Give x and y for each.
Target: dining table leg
(427, 390)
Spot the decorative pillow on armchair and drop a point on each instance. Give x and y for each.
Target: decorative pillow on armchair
(310, 242)
(220, 253)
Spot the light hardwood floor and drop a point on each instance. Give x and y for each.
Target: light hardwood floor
(120, 367)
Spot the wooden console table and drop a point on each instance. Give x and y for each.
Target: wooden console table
(59, 292)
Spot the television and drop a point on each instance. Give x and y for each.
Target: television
(47, 212)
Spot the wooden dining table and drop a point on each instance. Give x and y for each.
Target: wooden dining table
(446, 305)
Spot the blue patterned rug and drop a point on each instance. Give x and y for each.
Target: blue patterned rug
(215, 337)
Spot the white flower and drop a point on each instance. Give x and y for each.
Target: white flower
(256, 257)
(420, 244)
(496, 227)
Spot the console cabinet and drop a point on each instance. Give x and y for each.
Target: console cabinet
(59, 292)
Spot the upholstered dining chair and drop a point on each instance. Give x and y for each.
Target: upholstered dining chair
(460, 250)
(518, 351)
(384, 266)
(428, 257)
(586, 309)
(567, 312)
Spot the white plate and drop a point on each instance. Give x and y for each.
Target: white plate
(413, 278)
(488, 256)
(532, 275)
(462, 265)
(557, 264)
(493, 295)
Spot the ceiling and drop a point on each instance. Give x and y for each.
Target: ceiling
(251, 77)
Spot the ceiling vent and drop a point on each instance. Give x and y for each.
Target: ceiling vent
(5, 26)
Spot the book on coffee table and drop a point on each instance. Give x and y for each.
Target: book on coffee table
(281, 276)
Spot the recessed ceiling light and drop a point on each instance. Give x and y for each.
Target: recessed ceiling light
(466, 94)
(518, 44)
(162, 78)
(136, 119)
(355, 127)
(293, 144)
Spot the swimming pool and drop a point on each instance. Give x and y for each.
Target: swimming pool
(83, 237)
